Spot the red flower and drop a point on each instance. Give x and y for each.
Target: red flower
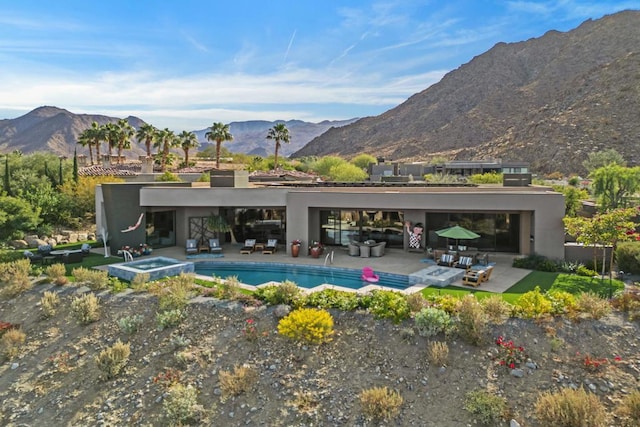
(512, 365)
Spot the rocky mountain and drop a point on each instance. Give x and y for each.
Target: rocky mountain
(55, 129)
(250, 136)
(549, 101)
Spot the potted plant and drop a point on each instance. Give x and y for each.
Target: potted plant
(316, 249)
(295, 247)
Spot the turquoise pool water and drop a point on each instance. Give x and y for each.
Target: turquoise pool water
(305, 276)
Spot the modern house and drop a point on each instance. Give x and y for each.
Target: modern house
(519, 220)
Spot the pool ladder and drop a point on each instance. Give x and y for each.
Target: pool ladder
(127, 256)
(328, 258)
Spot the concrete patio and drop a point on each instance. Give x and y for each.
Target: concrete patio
(394, 261)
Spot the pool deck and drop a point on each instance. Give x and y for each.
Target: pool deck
(394, 261)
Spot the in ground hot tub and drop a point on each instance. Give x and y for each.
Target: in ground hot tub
(156, 267)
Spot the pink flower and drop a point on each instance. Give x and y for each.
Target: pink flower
(512, 365)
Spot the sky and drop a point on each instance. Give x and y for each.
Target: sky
(187, 64)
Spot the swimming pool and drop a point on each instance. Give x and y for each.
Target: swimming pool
(305, 276)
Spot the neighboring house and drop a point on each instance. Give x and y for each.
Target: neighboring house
(517, 220)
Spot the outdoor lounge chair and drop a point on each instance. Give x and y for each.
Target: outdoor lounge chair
(464, 262)
(474, 277)
(192, 246)
(354, 249)
(249, 246)
(85, 249)
(214, 246)
(33, 257)
(446, 260)
(272, 246)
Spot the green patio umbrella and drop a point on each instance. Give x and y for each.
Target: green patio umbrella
(458, 233)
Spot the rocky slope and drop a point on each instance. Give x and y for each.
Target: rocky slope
(548, 101)
(54, 379)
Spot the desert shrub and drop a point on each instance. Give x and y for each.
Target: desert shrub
(487, 407)
(629, 302)
(570, 267)
(629, 409)
(438, 353)
(174, 292)
(486, 178)
(57, 273)
(86, 308)
(496, 308)
(113, 359)
(181, 405)
(533, 304)
(416, 302)
(331, 298)
(593, 305)
(570, 408)
(140, 281)
(286, 292)
(130, 324)
(49, 304)
(585, 272)
(448, 303)
(238, 381)
(536, 262)
(94, 279)
(11, 341)
(388, 305)
(14, 277)
(180, 341)
(116, 285)
(472, 321)
(169, 318)
(561, 301)
(380, 403)
(628, 257)
(431, 321)
(305, 402)
(229, 288)
(308, 325)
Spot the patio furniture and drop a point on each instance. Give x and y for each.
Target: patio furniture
(202, 247)
(85, 249)
(365, 251)
(249, 246)
(377, 250)
(214, 246)
(33, 257)
(191, 246)
(272, 246)
(446, 260)
(354, 249)
(72, 257)
(464, 262)
(476, 277)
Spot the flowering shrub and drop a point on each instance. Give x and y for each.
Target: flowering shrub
(296, 242)
(136, 251)
(250, 330)
(307, 325)
(509, 354)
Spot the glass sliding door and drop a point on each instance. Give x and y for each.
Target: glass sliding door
(339, 227)
(160, 228)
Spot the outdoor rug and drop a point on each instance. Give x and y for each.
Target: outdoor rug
(482, 267)
(205, 256)
(427, 261)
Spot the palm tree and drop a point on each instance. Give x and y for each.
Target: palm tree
(97, 135)
(279, 133)
(85, 140)
(164, 141)
(111, 137)
(147, 133)
(218, 132)
(187, 140)
(124, 134)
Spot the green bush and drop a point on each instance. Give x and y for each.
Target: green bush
(388, 305)
(307, 325)
(533, 304)
(536, 262)
(169, 318)
(431, 321)
(585, 272)
(332, 298)
(628, 257)
(286, 292)
(561, 301)
(130, 324)
(487, 407)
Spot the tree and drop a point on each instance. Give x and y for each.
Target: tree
(187, 140)
(347, 172)
(6, 181)
(111, 137)
(75, 166)
(324, 164)
(218, 132)
(279, 133)
(165, 140)
(85, 140)
(603, 158)
(17, 217)
(364, 160)
(124, 132)
(614, 184)
(147, 134)
(97, 134)
(573, 198)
